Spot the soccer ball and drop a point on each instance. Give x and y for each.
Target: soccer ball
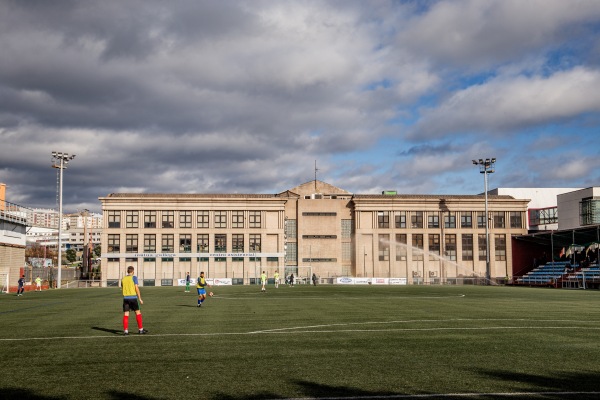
(210, 294)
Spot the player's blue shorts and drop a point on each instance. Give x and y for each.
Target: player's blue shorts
(201, 291)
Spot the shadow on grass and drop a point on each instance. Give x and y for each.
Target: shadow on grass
(189, 305)
(583, 381)
(115, 331)
(24, 394)
(117, 395)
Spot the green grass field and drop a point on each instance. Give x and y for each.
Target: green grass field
(340, 342)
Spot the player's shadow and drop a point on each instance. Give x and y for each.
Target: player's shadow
(188, 305)
(115, 331)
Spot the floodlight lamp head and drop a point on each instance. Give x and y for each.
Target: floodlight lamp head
(474, 162)
(493, 160)
(480, 161)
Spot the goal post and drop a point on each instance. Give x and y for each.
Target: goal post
(4, 283)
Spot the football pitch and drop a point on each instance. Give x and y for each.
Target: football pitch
(305, 342)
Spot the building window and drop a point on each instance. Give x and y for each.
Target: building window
(237, 243)
(114, 219)
(500, 247)
(543, 216)
(498, 219)
(346, 251)
(450, 221)
(254, 244)
(384, 247)
(202, 219)
(589, 211)
(185, 243)
(131, 219)
(149, 219)
(220, 219)
(168, 243)
(290, 229)
(433, 221)
(417, 244)
(434, 247)
(168, 219)
(481, 246)
(481, 219)
(255, 219)
(131, 243)
(202, 245)
(450, 250)
(237, 219)
(515, 220)
(291, 254)
(416, 220)
(150, 243)
(383, 219)
(185, 219)
(467, 247)
(400, 219)
(466, 219)
(400, 247)
(347, 228)
(114, 243)
(220, 243)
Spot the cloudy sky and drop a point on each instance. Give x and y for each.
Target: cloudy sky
(244, 96)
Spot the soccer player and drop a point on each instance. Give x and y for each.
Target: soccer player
(201, 287)
(21, 283)
(131, 296)
(263, 281)
(38, 283)
(276, 277)
(187, 282)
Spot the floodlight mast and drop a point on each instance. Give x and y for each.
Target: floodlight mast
(60, 160)
(486, 167)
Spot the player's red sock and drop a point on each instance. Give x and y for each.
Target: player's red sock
(138, 318)
(125, 322)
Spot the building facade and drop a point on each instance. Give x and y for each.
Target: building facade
(312, 228)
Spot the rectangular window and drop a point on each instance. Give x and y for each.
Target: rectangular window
(149, 219)
(168, 243)
(346, 251)
(220, 220)
(114, 219)
(416, 220)
(498, 219)
(237, 219)
(434, 247)
(202, 219)
(168, 219)
(400, 219)
(150, 243)
(220, 243)
(254, 245)
(185, 219)
(433, 221)
(202, 245)
(450, 221)
(543, 216)
(467, 247)
(291, 229)
(589, 211)
(131, 219)
(131, 243)
(515, 220)
(185, 243)
(400, 247)
(114, 243)
(500, 247)
(481, 219)
(291, 254)
(466, 219)
(417, 243)
(450, 250)
(255, 219)
(237, 243)
(347, 228)
(481, 246)
(384, 247)
(383, 219)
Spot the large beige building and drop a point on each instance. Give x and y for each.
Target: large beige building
(313, 228)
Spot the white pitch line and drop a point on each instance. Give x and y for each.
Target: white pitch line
(446, 395)
(305, 330)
